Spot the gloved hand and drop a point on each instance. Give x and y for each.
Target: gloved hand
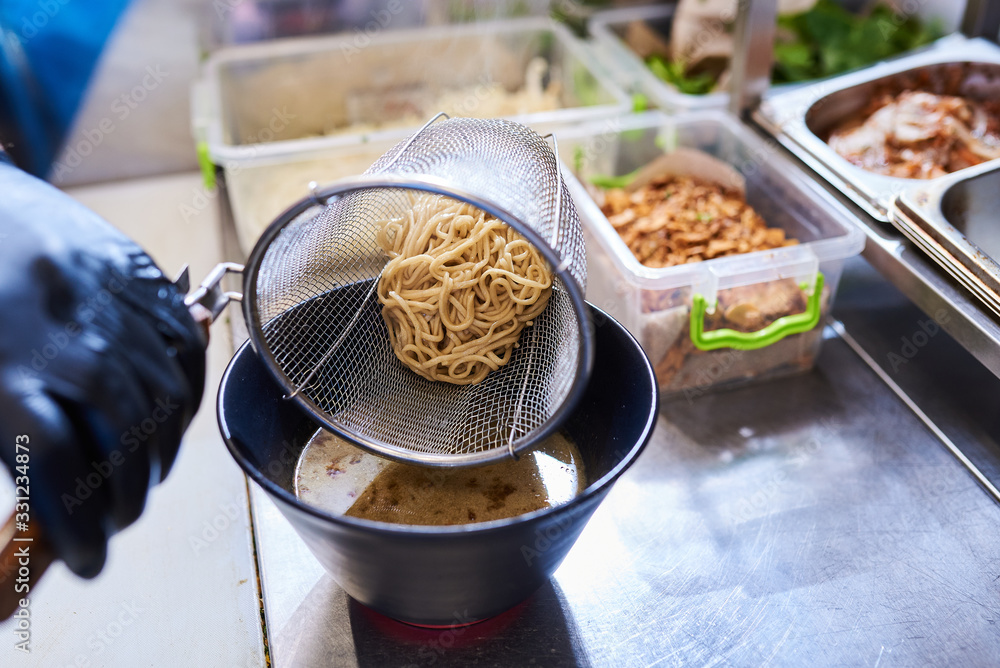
(101, 367)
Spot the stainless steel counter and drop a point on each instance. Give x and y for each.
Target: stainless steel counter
(841, 517)
(814, 520)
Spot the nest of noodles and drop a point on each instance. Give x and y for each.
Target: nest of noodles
(459, 288)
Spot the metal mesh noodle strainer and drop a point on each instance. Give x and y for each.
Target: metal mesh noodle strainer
(314, 317)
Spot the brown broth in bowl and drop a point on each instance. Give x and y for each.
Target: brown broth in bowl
(342, 479)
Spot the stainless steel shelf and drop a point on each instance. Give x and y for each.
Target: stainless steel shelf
(923, 282)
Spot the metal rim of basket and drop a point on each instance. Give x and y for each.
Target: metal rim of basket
(324, 196)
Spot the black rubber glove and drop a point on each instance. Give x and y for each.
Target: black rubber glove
(101, 367)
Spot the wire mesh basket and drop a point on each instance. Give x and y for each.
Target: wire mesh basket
(310, 306)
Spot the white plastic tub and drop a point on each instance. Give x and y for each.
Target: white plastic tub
(259, 190)
(659, 306)
(289, 96)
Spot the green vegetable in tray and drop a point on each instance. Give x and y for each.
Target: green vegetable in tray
(828, 40)
(820, 42)
(673, 73)
(608, 182)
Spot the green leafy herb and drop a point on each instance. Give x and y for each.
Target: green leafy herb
(673, 73)
(608, 182)
(578, 157)
(828, 40)
(820, 42)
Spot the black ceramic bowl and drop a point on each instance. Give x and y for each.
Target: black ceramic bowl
(451, 574)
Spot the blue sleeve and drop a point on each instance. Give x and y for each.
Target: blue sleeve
(48, 52)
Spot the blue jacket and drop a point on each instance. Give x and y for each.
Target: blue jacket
(48, 51)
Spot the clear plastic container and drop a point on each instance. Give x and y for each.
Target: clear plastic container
(289, 96)
(259, 190)
(609, 29)
(677, 311)
(259, 20)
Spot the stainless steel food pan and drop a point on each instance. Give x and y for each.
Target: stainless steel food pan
(954, 219)
(801, 117)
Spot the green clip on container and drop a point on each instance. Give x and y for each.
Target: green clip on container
(779, 297)
(797, 323)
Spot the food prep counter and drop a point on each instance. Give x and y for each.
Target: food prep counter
(812, 519)
(838, 516)
(817, 518)
(842, 515)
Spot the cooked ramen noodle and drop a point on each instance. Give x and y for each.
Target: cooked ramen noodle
(458, 289)
(342, 479)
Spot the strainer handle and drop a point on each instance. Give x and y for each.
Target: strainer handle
(210, 299)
